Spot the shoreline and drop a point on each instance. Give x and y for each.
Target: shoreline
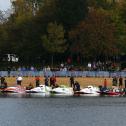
(84, 81)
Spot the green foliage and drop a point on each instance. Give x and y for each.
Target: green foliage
(54, 41)
(117, 16)
(70, 12)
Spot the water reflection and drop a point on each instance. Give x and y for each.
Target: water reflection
(13, 95)
(31, 95)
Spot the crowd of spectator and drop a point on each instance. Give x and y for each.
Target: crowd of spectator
(103, 66)
(90, 66)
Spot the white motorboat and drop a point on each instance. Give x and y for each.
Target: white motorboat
(40, 89)
(89, 91)
(62, 90)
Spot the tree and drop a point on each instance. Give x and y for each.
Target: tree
(118, 18)
(54, 41)
(3, 17)
(95, 36)
(70, 12)
(67, 12)
(104, 4)
(24, 8)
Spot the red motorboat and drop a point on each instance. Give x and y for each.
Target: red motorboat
(111, 93)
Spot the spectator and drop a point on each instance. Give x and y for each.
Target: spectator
(71, 81)
(105, 83)
(46, 81)
(3, 83)
(89, 66)
(61, 65)
(120, 82)
(48, 68)
(114, 81)
(2, 80)
(64, 69)
(19, 69)
(37, 81)
(76, 86)
(53, 81)
(8, 71)
(19, 80)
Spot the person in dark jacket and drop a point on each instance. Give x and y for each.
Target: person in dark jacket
(46, 81)
(114, 81)
(71, 81)
(120, 82)
(76, 86)
(2, 79)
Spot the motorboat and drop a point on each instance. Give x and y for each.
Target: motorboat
(17, 89)
(62, 90)
(112, 92)
(40, 89)
(89, 90)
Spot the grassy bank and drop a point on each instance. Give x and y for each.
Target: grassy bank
(84, 81)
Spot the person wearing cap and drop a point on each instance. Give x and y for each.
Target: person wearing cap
(19, 80)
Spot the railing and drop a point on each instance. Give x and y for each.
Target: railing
(63, 73)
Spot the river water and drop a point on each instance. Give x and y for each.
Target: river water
(36, 110)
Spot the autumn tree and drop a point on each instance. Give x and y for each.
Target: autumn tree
(95, 36)
(104, 4)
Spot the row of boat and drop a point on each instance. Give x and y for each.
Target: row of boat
(64, 90)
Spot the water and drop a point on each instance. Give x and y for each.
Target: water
(34, 110)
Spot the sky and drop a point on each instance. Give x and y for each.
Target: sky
(5, 4)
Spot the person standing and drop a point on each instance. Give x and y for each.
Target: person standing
(105, 83)
(3, 82)
(120, 82)
(71, 81)
(46, 81)
(125, 85)
(114, 81)
(53, 81)
(2, 79)
(37, 81)
(8, 71)
(19, 80)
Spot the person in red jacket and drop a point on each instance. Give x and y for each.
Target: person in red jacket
(105, 83)
(53, 81)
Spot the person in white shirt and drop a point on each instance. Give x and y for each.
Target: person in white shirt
(19, 80)
(89, 66)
